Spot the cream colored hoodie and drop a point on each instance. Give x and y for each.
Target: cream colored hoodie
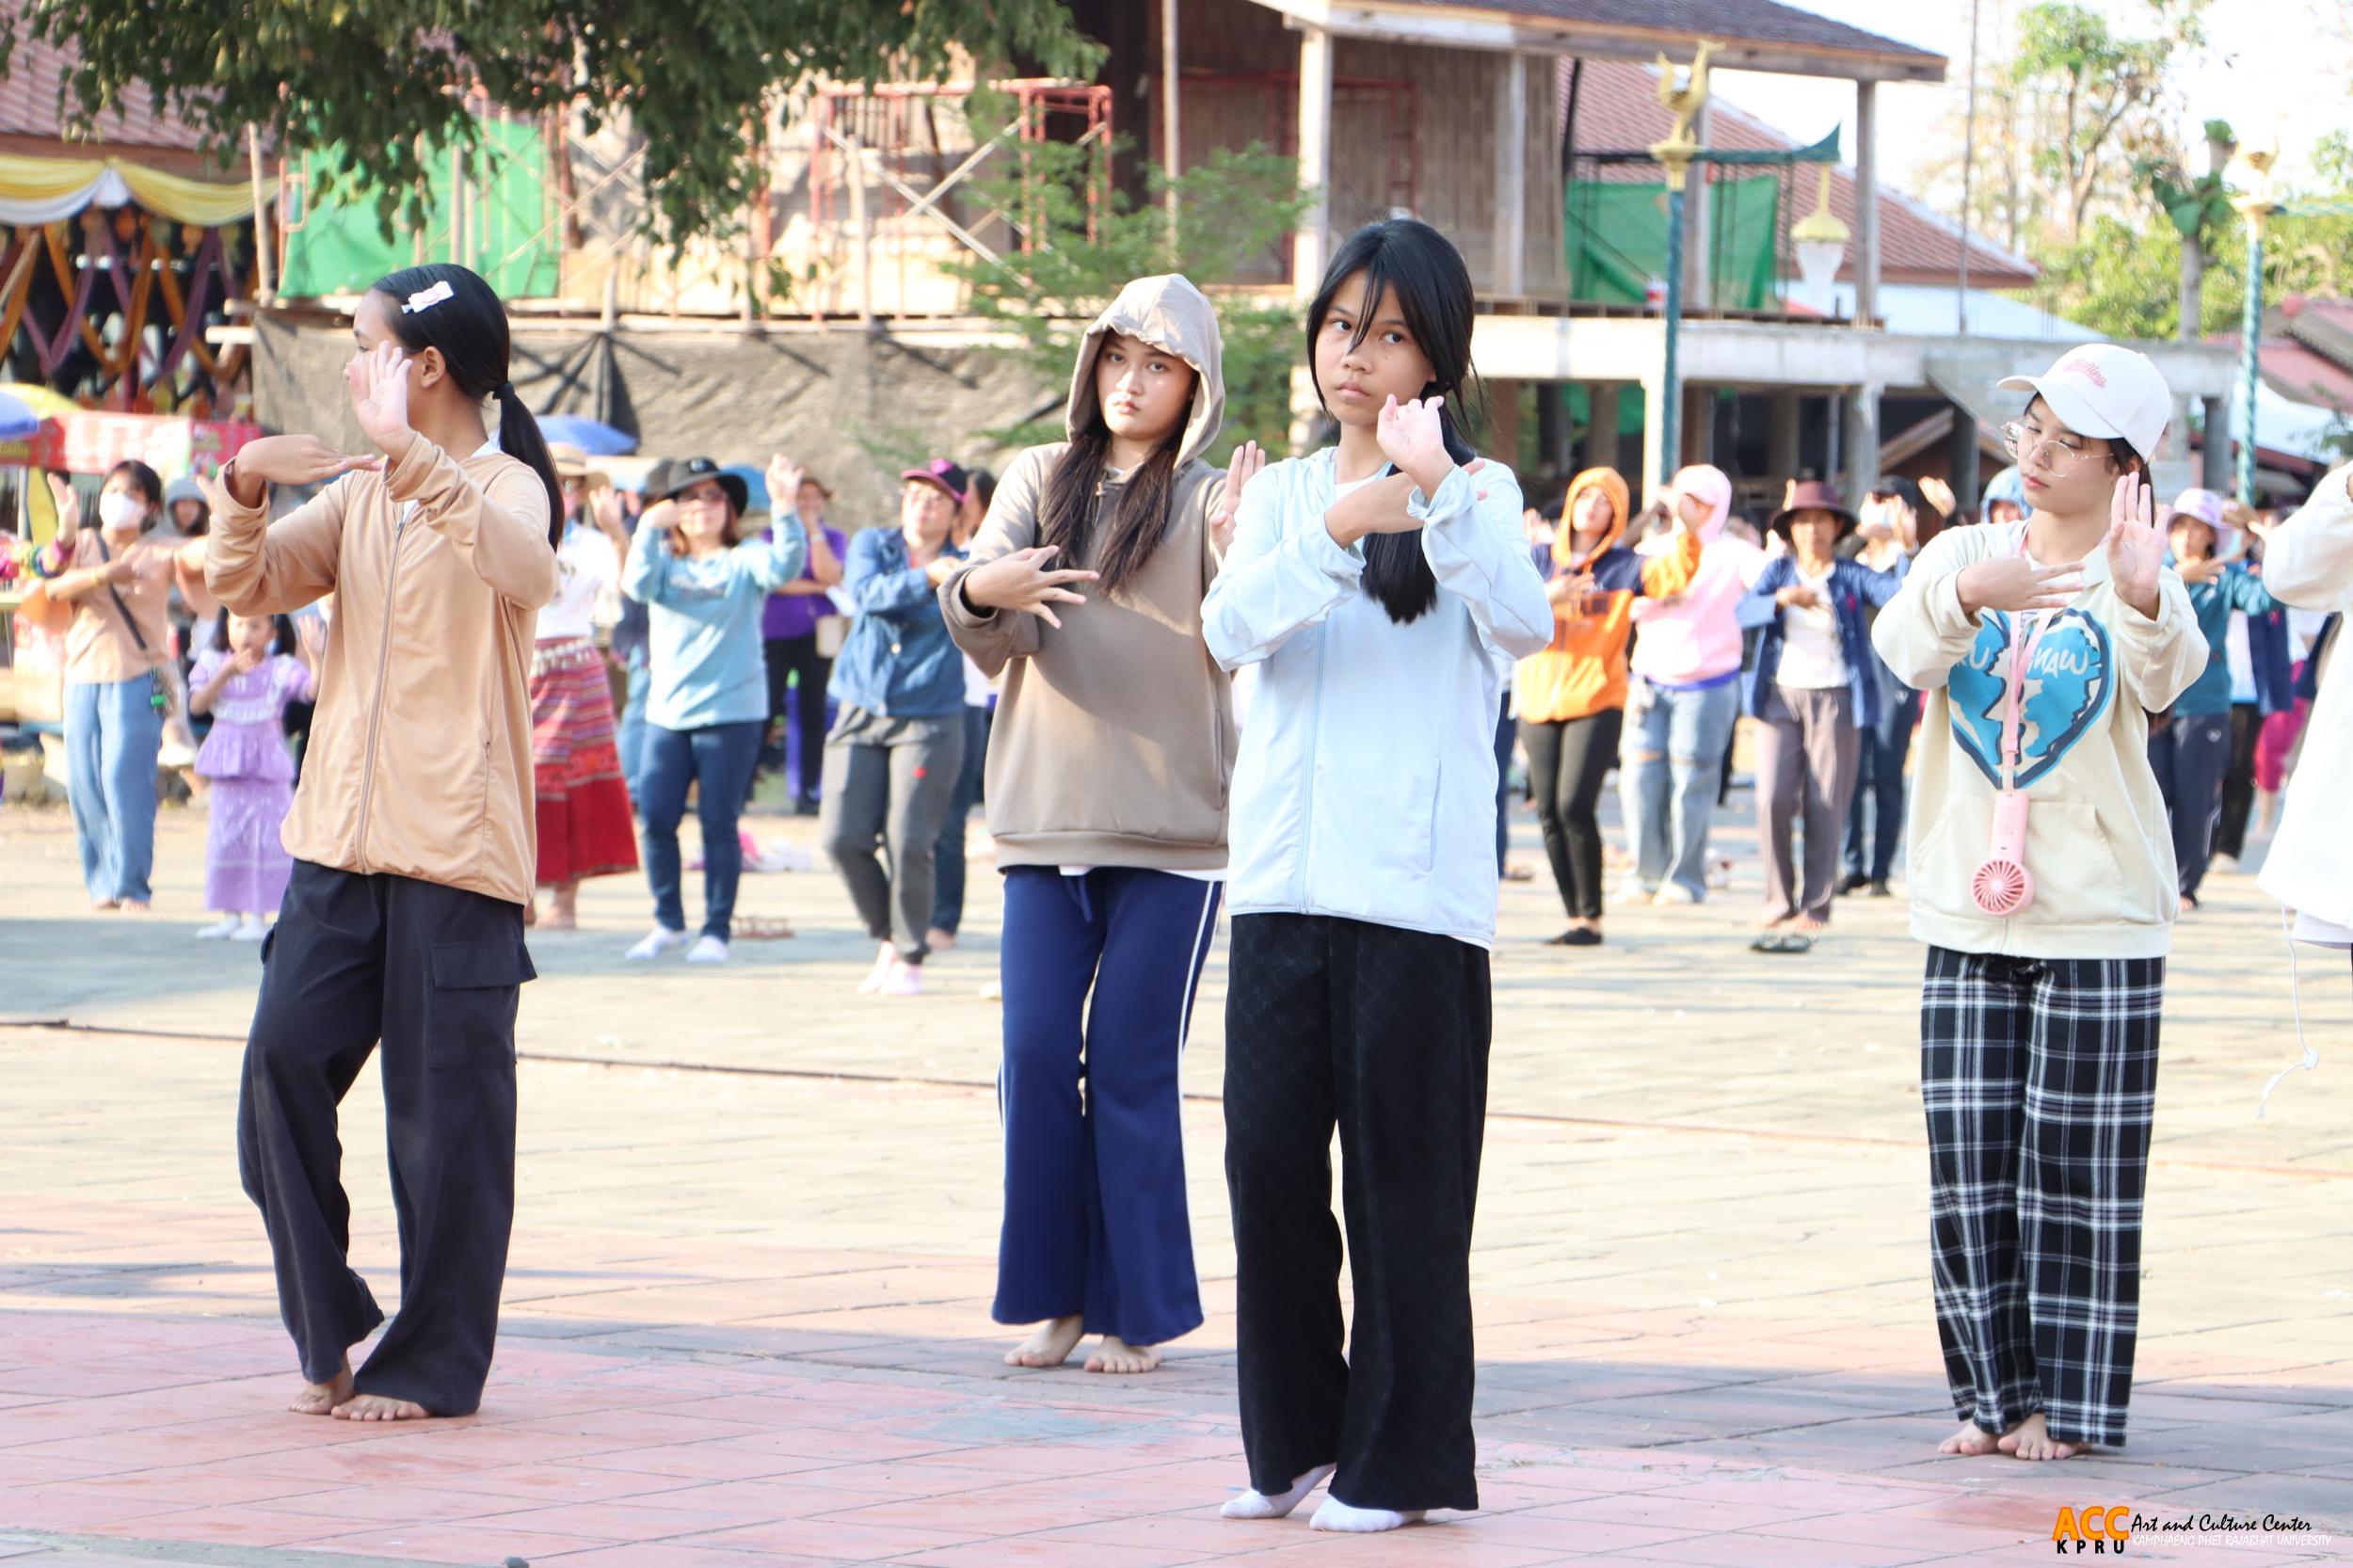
(2097, 844)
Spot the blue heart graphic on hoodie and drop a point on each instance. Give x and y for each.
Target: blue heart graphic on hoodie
(2068, 689)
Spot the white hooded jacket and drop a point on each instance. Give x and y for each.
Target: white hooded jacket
(2308, 563)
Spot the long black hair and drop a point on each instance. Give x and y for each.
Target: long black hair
(1141, 520)
(1433, 295)
(470, 330)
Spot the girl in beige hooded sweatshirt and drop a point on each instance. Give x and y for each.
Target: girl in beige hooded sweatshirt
(1107, 779)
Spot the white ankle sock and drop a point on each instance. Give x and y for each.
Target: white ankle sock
(1254, 1504)
(1338, 1515)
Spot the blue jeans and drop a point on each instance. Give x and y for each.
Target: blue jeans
(1506, 737)
(1880, 789)
(112, 734)
(720, 758)
(1099, 972)
(632, 728)
(948, 855)
(1669, 764)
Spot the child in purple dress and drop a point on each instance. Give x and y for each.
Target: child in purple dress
(255, 669)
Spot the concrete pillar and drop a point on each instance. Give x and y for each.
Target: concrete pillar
(1653, 433)
(1863, 442)
(1867, 202)
(1961, 462)
(1507, 269)
(2215, 467)
(1698, 226)
(1601, 431)
(1503, 424)
(1781, 436)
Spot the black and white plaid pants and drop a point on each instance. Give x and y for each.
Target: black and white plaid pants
(2038, 1077)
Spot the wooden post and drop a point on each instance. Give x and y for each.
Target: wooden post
(1700, 227)
(1508, 272)
(1601, 427)
(1171, 127)
(1781, 438)
(1311, 242)
(1867, 209)
(264, 253)
(857, 165)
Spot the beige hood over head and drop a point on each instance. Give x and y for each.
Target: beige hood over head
(1115, 736)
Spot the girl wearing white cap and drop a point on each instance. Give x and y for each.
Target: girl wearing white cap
(2042, 880)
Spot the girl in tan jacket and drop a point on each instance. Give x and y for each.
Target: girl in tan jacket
(411, 834)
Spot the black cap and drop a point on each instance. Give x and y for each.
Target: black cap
(672, 474)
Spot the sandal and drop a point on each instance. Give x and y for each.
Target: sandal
(761, 928)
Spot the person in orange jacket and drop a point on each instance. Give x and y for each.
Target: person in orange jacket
(1571, 696)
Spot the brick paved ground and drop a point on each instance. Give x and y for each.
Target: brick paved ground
(746, 1321)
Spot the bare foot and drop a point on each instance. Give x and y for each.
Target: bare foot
(1969, 1442)
(1115, 1354)
(103, 904)
(135, 906)
(2031, 1439)
(1806, 925)
(938, 941)
(563, 908)
(320, 1399)
(531, 914)
(1051, 1346)
(378, 1407)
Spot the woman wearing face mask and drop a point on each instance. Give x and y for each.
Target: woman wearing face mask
(119, 577)
(1571, 696)
(898, 740)
(2041, 877)
(708, 703)
(1084, 592)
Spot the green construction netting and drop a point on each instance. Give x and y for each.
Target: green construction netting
(1617, 240)
(333, 245)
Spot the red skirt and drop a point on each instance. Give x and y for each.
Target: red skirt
(585, 829)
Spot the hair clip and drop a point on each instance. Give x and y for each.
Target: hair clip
(425, 299)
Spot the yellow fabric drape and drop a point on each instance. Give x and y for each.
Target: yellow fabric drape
(204, 202)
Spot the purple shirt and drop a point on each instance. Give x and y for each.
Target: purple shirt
(796, 614)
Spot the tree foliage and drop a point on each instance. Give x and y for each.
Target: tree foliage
(387, 79)
(1230, 207)
(2119, 277)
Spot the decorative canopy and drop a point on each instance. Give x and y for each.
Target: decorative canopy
(47, 190)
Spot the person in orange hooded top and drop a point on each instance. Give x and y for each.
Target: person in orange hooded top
(1571, 696)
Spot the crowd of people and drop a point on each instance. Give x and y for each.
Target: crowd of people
(526, 672)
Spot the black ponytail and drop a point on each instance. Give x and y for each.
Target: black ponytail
(468, 325)
(1433, 295)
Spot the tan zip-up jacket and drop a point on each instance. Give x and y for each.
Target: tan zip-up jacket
(418, 762)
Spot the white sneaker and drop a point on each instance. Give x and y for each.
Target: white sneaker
(1632, 891)
(877, 977)
(1673, 893)
(905, 979)
(654, 943)
(708, 950)
(220, 931)
(250, 929)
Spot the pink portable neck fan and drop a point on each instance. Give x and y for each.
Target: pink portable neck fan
(2002, 885)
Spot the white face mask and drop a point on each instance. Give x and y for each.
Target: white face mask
(116, 510)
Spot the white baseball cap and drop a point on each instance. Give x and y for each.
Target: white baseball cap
(2104, 391)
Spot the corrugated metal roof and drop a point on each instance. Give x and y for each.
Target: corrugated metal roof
(29, 103)
(1618, 110)
(1726, 21)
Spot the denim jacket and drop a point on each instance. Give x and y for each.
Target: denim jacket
(1852, 585)
(898, 660)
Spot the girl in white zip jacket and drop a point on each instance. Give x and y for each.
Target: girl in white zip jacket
(1384, 594)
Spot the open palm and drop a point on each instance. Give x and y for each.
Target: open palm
(2136, 543)
(379, 396)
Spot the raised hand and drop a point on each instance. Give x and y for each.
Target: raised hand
(2016, 586)
(1798, 596)
(784, 483)
(380, 397)
(1413, 437)
(661, 517)
(1375, 508)
(1241, 469)
(68, 506)
(2136, 543)
(1024, 580)
(604, 510)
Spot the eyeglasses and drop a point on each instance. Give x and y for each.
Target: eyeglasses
(2026, 446)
